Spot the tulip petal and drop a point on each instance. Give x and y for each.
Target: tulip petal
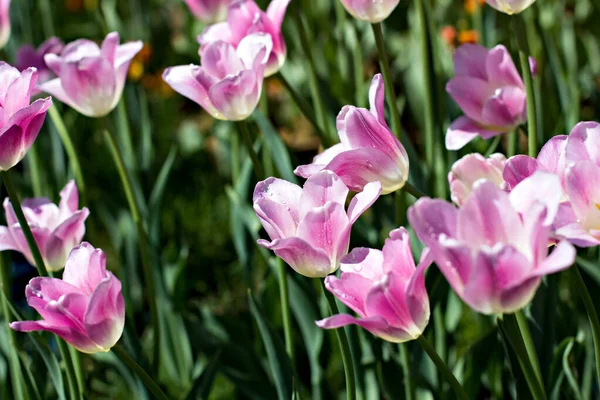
(376, 325)
(582, 185)
(320, 189)
(183, 80)
(351, 289)
(11, 149)
(109, 46)
(561, 258)
(320, 161)
(501, 69)
(584, 143)
(301, 256)
(542, 188)
(518, 168)
(377, 99)
(6, 240)
(76, 338)
(398, 255)
(105, 315)
(505, 109)
(552, 157)
(236, 96)
(277, 219)
(470, 60)
(279, 191)
(363, 200)
(470, 94)
(463, 130)
(276, 12)
(365, 262)
(69, 198)
(85, 268)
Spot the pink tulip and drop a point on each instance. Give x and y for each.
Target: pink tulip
(490, 92)
(384, 288)
(57, 229)
(91, 78)
(209, 11)
(85, 307)
(245, 18)
(510, 6)
(370, 10)
(368, 151)
(4, 22)
(469, 169)
(229, 82)
(494, 249)
(308, 227)
(20, 122)
(28, 56)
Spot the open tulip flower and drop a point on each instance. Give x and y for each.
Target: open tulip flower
(29, 56)
(309, 227)
(384, 288)
(490, 92)
(494, 249)
(209, 11)
(5, 26)
(368, 151)
(85, 307)
(369, 10)
(510, 6)
(20, 122)
(91, 78)
(57, 229)
(229, 82)
(471, 168)
(245, 18)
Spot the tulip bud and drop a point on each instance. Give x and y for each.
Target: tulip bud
(469, 169)
(4, 22)
(510, 6)
(209, 11)
(372, 11)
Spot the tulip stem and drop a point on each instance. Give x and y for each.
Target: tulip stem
(63, 347)
(591, 312)
(16, 377)
(528, 80)
(70, 149)
(513, 143)
(409, 390)
(285, 309)
(139, 371)
(344, 348)
(16, 204)
(493, 146)
(413, 191)
(33, 159)
(442, 368)
(529, 345)
(384, 64)
(247, 138)
(142, 239)
(125, 134)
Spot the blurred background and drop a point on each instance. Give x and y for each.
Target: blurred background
(203, 229)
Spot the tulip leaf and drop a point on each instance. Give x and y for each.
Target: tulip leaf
(51, 363)
(203, 384)
(278, 150)
(278, 359)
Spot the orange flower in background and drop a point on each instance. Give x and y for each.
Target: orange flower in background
(471, 5)
(468, 36)
(137, 68)
(448, 34)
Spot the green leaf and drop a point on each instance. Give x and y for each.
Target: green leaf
(203, 384)
(278, 150)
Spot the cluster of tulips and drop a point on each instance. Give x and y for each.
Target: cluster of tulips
(513, 220)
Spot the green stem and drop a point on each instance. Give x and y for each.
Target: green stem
(442, 368)
(139, 371)
(387, 78)
(78, 368)
(344, 348)
(47, 23)
(143, 242)
(125, 134)
(71, 152)
(400, 202)
(428, 88)
(528, 80)
(529, 346)
(413, 191)
(16, 204)
(304, 108)
(591, 312)
(235, 158)
(33, 160)
(285, 309)
(16, 378)
(409, 390)
(63, 347)
(516, 339)
(513, 143)
(247, 139)
(493, 146)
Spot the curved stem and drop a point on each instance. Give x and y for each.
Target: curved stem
(591, 312)
(344, 348)
(285, 309)
(245, 132)
(442, 368)
(63, 347)
(139, 371)
(142, 239)
(387, 77)
(493, 146)
(529, 346)
(528, 80)
(413, 191)
(71, 152)
(16, 204)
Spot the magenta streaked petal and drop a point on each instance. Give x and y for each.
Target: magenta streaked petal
(74, 337)
(397, 253)
(301, 256)
(85, 268)
(463, 130)
(561, 258)
(276, 12)
(320, 189)
(518, 168)
(377, 99)
(469, 169)
(326, 228)
(368, 263)
(552, 156)
(219, 31)
(69, 198)
(501, 69)
(363, 200)
(277, 219)
(236, 96)
(582, 185)
(584, 143)
(505, 109)
(104, 318)
(280, 191)
(351, 289)
(183, 80)
(320, 161)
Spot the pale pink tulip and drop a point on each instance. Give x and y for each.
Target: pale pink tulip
(490, 92)
(20, 122)
(309, 227)
(372, 11)
(471, 168)
(510, 6)
(494, 249)
(229, 82)
(368, 151)
(29, 56)
(384, 288)
(245, 18)
(91, 78)
(85, 307)
(5, 26)
(209, 11)
(57, 229)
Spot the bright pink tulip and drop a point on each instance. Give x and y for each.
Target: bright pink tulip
(4, 22)
(28, 56)
(309, 227)
(469, 169)
(85, 307)
(510, 6)
(490, 92)
(20, 122)
(209, 11)
(370, 10)
(245, 18)
(229, 82)
(91, 78)
(368, 151)
(57, 229)
(384, 288)
(494, 249)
